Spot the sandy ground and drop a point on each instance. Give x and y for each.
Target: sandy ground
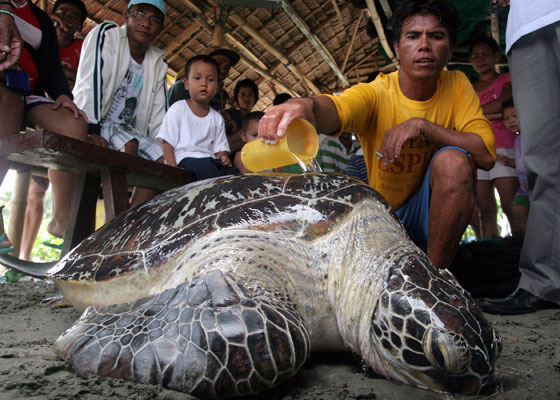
(529, 367)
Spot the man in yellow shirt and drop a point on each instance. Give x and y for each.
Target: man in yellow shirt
(420, 128)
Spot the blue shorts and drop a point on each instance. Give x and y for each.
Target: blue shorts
(415, 210)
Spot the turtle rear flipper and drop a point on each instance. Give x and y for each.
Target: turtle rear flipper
(206, 337)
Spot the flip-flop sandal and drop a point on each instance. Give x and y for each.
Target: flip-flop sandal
(57, 246)
(4, 250)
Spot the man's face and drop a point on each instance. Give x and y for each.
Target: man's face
(67, 21)
(143, 23)
(224, 63)
(423, 48)
(202, 82)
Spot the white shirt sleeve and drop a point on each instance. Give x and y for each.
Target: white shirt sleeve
(220, 139)
(170, 129)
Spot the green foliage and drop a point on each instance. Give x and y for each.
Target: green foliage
(40, 252)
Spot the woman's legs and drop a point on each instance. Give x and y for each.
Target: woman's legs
(33, 218)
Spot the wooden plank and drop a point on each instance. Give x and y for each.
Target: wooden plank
(50, 150)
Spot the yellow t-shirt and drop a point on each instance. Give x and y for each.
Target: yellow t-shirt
(370, 109)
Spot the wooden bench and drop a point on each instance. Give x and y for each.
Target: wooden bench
(94, 166)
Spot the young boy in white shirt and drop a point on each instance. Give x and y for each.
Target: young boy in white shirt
(194, 133)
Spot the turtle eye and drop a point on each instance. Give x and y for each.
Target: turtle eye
(446, 351)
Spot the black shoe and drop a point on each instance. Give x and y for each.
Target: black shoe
(519, 302)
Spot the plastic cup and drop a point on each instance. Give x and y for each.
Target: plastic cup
(300, 140)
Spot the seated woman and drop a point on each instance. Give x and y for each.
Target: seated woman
(22, 105)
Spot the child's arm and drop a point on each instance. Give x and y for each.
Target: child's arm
(239, 164)
(223, 156)
(168, 153)
(508, 162)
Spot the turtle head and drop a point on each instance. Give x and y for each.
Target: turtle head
(426, 331)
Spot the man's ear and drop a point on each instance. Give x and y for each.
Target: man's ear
(186, 84)
(396, 47)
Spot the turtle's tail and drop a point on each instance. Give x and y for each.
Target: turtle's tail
(207, 337)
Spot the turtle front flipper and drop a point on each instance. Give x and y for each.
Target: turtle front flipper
(207, 337)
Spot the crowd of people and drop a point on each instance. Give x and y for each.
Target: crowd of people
(435, 145)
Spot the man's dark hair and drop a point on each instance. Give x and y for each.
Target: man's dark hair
(78, 3)
(246, 83)
(508, 104)
(203, 58)
(484, 39)
(446, 12)
(253, 115)
(281, 98)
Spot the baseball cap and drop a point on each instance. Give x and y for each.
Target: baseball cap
(232, 55)
(159, 4)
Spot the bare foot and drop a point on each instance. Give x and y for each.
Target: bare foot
(56, 229)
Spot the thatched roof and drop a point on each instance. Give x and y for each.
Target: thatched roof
(304, 48)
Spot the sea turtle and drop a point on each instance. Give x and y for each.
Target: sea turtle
(223, 288)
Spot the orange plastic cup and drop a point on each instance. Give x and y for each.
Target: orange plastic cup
(300, 140)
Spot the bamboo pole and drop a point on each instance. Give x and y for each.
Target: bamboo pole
(218, 36)
(337, 10)
(343, 68)
(246, 59)
(246, 26)
(380, 30)
(300, 23)
(386, 8)
(265, 74)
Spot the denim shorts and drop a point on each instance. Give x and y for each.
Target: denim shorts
(414, 212)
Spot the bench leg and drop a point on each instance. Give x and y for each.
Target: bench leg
(115, 193)
(81, 221)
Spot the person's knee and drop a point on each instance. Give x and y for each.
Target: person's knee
(452, 168)
(77, 129)
(131, 147)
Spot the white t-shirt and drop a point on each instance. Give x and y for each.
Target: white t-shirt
(125, 99)
(193, 136)
(527, 16)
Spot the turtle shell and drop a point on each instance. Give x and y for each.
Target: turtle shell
(300, 206)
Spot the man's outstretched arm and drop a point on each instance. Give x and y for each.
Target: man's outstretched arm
(319, 110)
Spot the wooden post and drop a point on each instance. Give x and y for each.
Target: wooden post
(218, 35)
(18, 205)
